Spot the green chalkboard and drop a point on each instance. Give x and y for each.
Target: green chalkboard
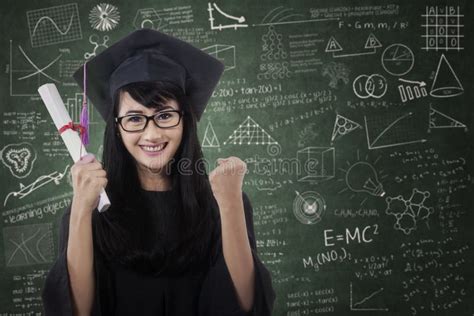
(354, 118)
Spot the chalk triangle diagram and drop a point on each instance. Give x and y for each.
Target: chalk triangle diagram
(210, 137)
(372, 42)
(249, 132)
(333, 46)
(273, 43)
(446, 83)
(441, 120)
(343, 126)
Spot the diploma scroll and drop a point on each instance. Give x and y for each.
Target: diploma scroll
(51, 98)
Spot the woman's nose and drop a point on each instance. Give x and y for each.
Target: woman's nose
(152, 130)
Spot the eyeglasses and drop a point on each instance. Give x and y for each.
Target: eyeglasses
(138, 122)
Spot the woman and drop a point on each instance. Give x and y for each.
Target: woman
(174, 241)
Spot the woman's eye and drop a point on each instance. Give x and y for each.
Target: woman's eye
(135, 119)
(164, 116)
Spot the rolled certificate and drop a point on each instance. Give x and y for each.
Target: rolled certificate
(51, 98)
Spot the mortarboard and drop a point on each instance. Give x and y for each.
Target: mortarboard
(149, 55)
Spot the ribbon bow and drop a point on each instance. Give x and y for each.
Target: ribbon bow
(75, 127)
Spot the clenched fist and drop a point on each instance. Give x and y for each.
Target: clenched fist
(88, 179)
(226, 180)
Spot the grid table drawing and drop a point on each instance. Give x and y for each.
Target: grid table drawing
(442, 28)
(54, 25)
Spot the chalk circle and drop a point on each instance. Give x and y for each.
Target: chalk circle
(376, 86)
(365, 86)
(147, 23)
(309, 207)
(397, 59)
(361, 92)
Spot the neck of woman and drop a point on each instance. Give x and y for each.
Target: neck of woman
(152, 180)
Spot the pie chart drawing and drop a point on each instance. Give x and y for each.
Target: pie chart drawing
(398, 59)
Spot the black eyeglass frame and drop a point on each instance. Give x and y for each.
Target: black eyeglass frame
(118, 120)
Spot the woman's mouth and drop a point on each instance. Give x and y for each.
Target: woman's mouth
(154, 150)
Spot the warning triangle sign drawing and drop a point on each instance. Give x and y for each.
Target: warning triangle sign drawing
(333, 46)
(249, 132)
(372, 42)
(441, 120)
(343, 126)
(446, 83)
(210, 137)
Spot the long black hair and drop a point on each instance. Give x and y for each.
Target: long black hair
(130, 232)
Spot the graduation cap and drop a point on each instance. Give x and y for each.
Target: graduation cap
(149, 55)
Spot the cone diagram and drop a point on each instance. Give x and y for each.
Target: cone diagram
(446, 83)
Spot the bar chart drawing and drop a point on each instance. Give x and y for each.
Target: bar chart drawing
(411, 90)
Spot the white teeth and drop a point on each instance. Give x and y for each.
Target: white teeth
(154, 148)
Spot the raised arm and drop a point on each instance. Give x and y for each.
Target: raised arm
(80, 260)
(70, 284)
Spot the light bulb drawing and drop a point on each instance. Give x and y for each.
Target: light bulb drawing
(362, 177)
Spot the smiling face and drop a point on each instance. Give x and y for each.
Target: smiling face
(145, 147)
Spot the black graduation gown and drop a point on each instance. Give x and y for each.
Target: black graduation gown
(123, 292)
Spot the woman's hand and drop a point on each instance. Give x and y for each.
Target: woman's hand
(226, 180)
(88, 179)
